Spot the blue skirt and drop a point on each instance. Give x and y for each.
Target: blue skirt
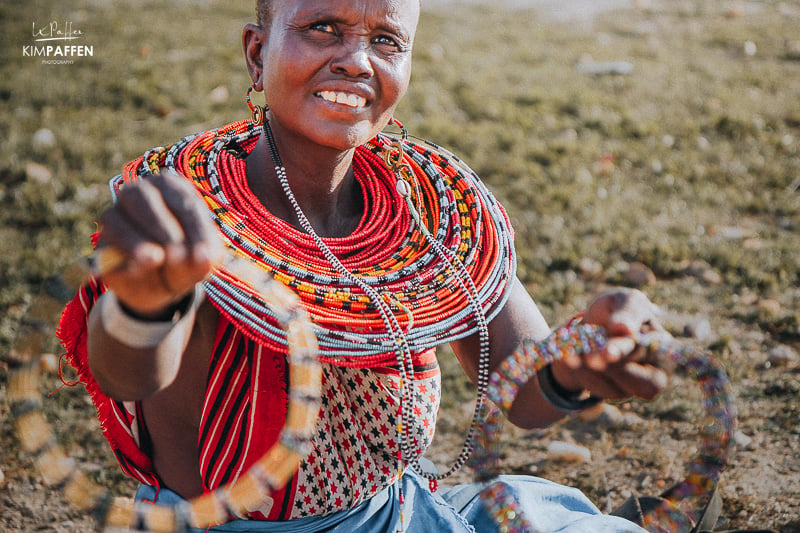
(548, 506)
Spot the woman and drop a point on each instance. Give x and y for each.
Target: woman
(191, 389)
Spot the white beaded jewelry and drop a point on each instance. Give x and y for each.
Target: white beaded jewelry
(136, 333)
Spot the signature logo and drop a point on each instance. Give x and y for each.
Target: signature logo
(55, 32)
(51, 43)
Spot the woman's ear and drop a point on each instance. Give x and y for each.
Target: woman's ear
(253, 41)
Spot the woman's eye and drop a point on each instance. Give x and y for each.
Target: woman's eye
(323, 27)
(387, 41)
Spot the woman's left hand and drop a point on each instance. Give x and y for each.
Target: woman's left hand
(622, 369)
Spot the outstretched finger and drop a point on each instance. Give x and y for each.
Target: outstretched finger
(616, 349)
(642, 381)
(137, 252)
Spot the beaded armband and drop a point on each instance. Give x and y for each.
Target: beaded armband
(138, 333)
(561, 398)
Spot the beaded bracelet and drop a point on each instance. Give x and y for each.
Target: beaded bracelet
(171, 313)
(561, 398)
(558, 396)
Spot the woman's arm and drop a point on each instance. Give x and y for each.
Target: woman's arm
(128, 361)
(613, 373)
(518, 321)
(165, 244)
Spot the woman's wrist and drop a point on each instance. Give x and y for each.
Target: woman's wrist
(560, 397)
(171, 313)
(138, 331)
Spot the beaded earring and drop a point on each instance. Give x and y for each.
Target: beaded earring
(259, 111)
(403, 130)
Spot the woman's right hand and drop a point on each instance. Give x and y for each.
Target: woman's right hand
(167, 242)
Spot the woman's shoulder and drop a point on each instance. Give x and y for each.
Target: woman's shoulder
(195, 147)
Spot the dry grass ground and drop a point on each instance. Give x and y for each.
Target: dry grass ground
(689, 164)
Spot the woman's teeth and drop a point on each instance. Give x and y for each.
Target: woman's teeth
(348, 99)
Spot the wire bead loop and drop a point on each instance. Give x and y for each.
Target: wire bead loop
(248, 491)
(716, 431)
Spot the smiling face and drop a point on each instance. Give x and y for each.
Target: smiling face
(333, 71)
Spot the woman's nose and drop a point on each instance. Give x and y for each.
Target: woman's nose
(353, 59)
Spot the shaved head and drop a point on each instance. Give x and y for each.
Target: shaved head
(263, 12)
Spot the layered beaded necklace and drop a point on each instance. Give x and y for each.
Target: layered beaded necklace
(388, 250)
